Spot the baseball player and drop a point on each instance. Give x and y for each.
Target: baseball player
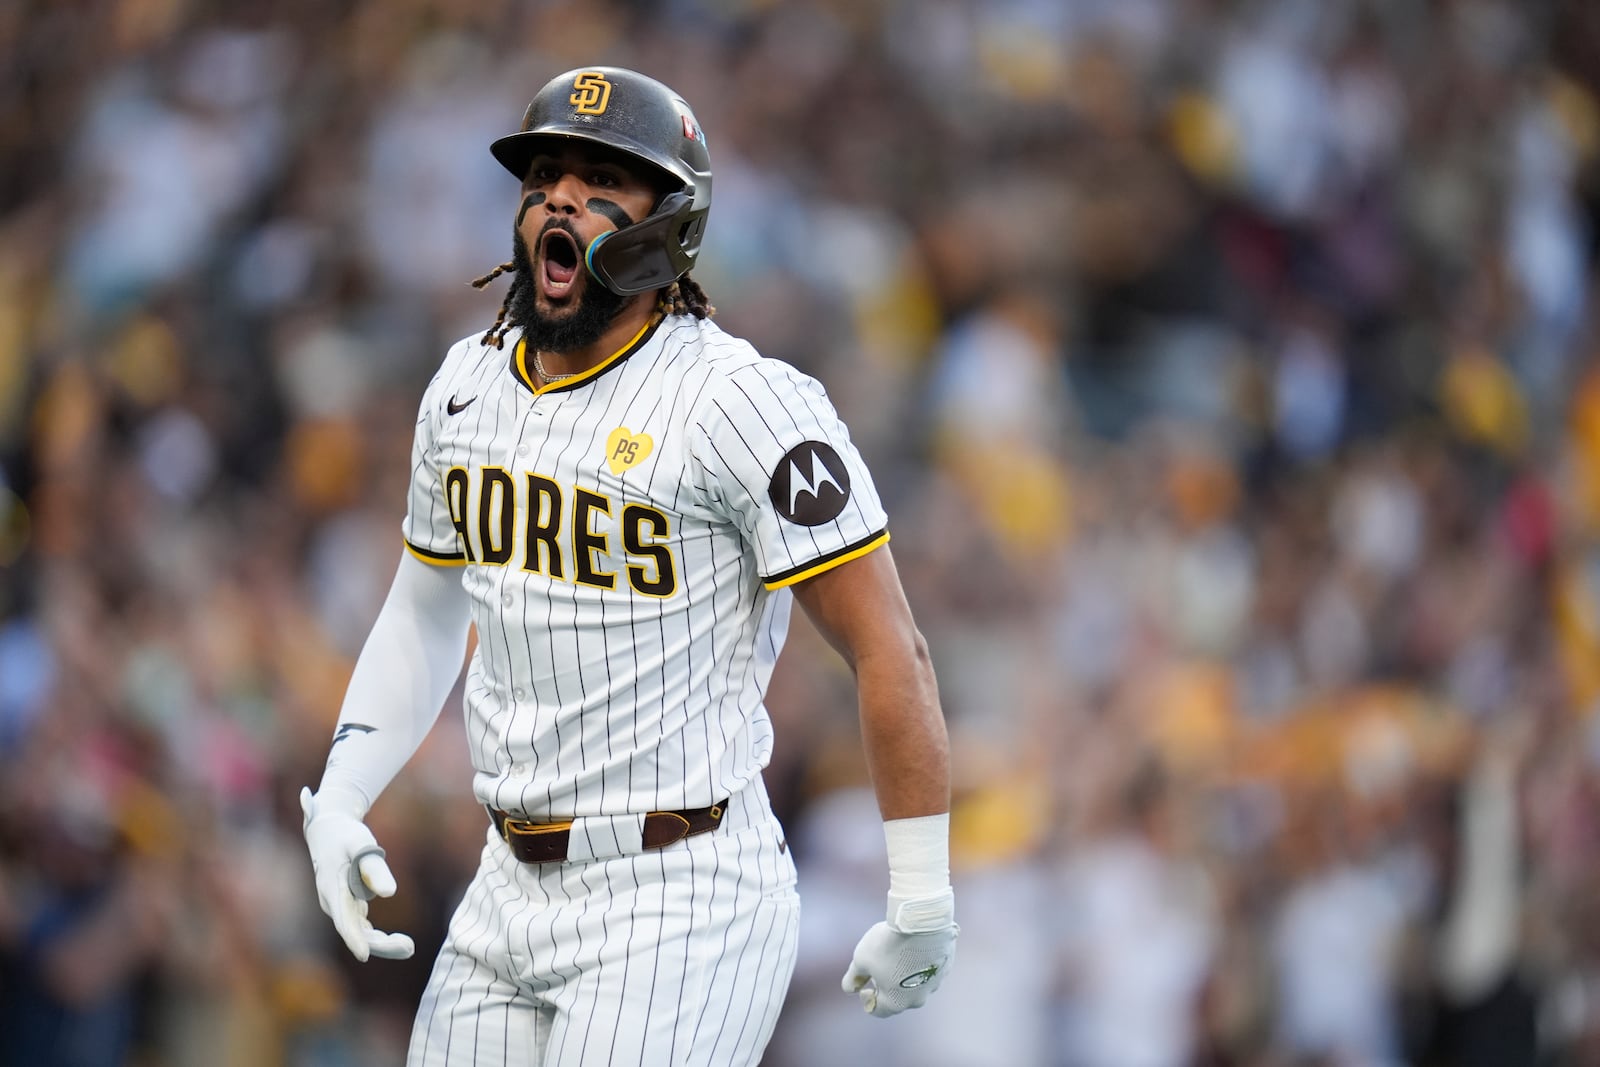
(625, 501)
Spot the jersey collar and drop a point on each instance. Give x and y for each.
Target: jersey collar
(522, 370)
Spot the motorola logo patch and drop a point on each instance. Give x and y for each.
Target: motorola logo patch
(810, 485)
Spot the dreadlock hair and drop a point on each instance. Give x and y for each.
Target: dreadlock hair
(685, 297)
(496, 334)
(682, 297)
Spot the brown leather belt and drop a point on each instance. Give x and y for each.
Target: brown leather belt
(546, 842)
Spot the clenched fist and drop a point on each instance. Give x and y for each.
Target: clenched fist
(899, 963)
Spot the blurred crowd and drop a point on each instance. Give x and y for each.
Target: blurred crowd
(1231, 372)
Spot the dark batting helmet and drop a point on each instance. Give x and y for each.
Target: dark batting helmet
(639, 116)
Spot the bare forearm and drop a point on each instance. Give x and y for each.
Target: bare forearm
(860, 609)
(903, 732)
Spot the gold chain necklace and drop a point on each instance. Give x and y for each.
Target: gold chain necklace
(549, 379)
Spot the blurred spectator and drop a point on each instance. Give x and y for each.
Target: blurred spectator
(1234, 373)
(1337, 945)
(1139, 940)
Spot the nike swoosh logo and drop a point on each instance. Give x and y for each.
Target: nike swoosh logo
(455, 409)
(783, 845)
(351, 728)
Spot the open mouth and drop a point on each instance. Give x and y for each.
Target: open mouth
(559, 254)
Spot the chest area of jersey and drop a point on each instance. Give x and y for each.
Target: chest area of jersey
(592, 495)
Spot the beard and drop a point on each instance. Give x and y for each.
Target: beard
(575, 327)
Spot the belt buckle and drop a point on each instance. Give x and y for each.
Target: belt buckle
(522, 828)
(514, 828)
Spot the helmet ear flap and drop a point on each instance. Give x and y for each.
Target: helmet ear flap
(692, 231)
(651, 253)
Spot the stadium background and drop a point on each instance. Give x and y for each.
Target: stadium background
(1230, 370)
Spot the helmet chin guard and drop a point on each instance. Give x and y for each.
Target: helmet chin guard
(651, 253)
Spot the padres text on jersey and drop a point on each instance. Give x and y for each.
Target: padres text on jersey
(668, 496)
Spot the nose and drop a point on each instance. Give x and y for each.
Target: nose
(565, 196)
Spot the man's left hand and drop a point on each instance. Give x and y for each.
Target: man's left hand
(900, 963)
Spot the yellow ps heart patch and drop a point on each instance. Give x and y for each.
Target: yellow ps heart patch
(624, 449)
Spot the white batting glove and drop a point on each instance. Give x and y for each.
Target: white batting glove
(900, 963)
(350, 871)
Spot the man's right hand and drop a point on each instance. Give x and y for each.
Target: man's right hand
(350, 871)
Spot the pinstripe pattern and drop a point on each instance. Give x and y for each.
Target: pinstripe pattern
(674, 958)
(600, 690)
(589, 701)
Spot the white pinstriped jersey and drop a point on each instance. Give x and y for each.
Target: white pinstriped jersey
(626, 537)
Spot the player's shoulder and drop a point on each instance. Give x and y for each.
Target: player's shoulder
(473, 352)
(468, 359)
(731, 364)
(465, 369)
(703, 343)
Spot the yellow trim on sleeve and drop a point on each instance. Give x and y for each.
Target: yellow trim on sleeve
(830, 563)
(432, 560)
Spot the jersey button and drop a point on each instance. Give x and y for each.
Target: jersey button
(519, 770)
(507, 599)
(519, 693)
(522, 450)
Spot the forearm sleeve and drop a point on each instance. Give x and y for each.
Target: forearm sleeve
(405, 671)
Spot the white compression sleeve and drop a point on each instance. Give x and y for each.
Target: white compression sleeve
(919, 872)
(407, 666)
